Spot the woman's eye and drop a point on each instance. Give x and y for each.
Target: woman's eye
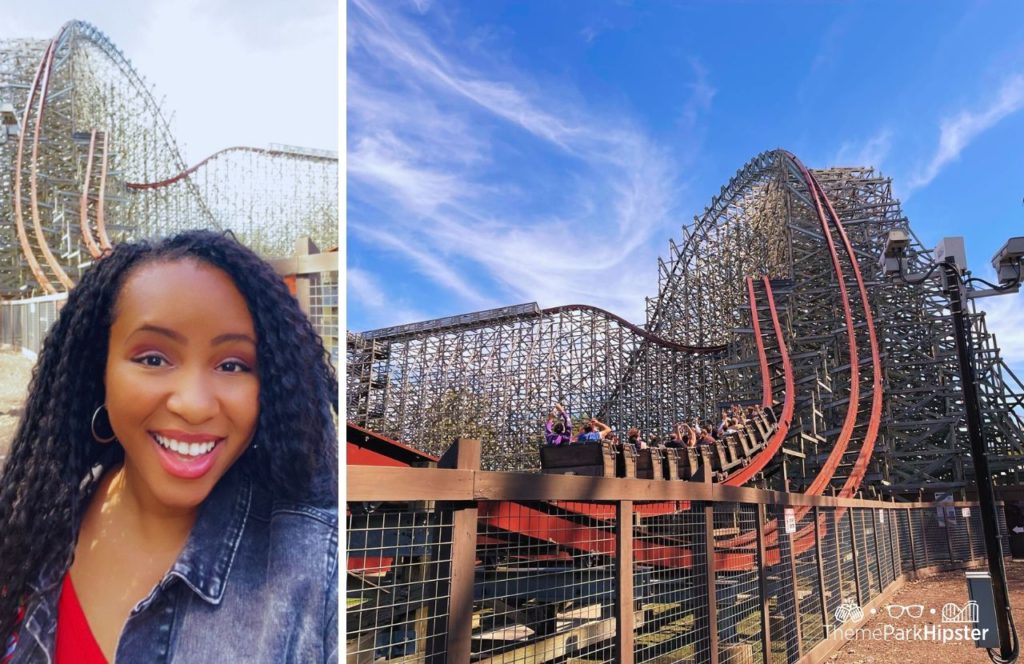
(234, 366)
(151, 361)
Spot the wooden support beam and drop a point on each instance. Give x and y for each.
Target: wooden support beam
(451, 628)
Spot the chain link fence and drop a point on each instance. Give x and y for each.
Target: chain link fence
(24, 323)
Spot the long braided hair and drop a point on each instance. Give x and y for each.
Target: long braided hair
(294, 451)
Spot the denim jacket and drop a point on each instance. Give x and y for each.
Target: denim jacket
(256, 582)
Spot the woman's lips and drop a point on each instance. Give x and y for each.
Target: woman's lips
(187, 467)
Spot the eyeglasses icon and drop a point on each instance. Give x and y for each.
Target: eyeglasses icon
(911, 611)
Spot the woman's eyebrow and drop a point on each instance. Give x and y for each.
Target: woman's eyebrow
(233, 336)
(167, 332)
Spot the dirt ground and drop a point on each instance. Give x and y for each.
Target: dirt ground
(15, 372)
(932, 593)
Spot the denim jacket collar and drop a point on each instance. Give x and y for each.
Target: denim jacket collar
(205, 563)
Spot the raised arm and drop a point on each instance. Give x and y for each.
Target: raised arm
(565, 418)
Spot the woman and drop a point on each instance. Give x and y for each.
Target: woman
(634, 439)
(558, 432)
(171, 491)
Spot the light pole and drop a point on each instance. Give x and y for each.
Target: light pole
(952, 262)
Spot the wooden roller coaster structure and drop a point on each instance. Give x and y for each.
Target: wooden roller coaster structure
(95, 161)
(770, 300)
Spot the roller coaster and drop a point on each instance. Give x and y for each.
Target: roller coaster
(88, 158)
(771, 299)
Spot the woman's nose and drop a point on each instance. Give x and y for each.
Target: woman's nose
(193, 397)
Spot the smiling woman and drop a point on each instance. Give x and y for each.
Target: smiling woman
(171, 491)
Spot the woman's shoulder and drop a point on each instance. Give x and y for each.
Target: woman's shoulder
(291, 538)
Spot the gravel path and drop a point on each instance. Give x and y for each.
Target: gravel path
(933, 593)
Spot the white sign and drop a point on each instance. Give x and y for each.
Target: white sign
(966, 511)
(790, 521)
(881, 516)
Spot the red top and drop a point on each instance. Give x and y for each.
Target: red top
(75, 642)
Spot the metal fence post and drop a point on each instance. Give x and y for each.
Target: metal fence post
(712, 586)
(836, 519)
(927, 556)
(910, 536)
(878, 550)
(856, 558)
(970, 539)
(949, 534)
(788, 559)
(894, 547)
(821, 570)
(624, 620)
(766, 636)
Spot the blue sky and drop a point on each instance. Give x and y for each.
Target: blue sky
(506, 152)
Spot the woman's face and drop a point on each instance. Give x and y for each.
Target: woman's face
(181, 381)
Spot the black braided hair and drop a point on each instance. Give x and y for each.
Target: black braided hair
(294, 451)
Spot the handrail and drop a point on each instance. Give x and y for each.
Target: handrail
(390, 484)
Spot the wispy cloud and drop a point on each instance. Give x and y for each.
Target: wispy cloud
(956, 132)
(702, 94)
(498, 187)
(364, 288)
(871, 152)
(427, 263)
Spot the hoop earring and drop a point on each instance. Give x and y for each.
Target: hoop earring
(92, 426)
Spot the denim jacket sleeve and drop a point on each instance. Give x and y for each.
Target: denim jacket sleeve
(331, 624)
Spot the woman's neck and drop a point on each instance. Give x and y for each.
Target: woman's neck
(126, 506)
